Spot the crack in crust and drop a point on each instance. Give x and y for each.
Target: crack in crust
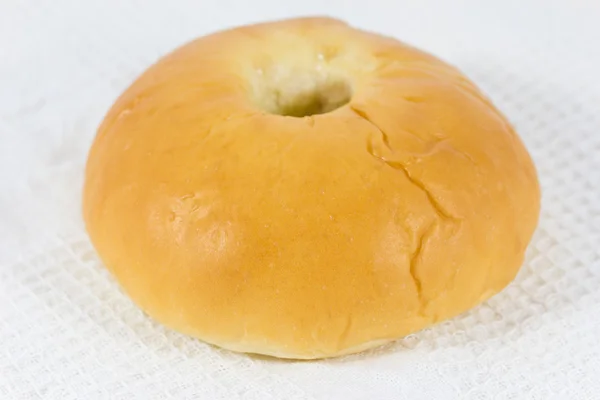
(434, 203)
(443, 215)
(363, 115)
(414, 260)
(397, 165)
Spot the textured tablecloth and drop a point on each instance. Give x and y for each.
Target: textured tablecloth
(68, 332)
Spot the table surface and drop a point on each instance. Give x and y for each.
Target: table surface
(68, 332)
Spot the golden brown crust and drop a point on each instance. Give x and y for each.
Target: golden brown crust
(316, 236)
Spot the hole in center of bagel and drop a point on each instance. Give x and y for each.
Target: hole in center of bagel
(301, 93)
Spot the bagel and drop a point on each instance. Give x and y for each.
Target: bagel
(306, 189)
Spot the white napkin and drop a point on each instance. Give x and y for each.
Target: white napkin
(67, 332)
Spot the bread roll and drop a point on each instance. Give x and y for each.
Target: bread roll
(305, 189)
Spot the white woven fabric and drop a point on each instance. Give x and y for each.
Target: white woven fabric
(67, 332)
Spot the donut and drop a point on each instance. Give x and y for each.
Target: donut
(304, 189)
